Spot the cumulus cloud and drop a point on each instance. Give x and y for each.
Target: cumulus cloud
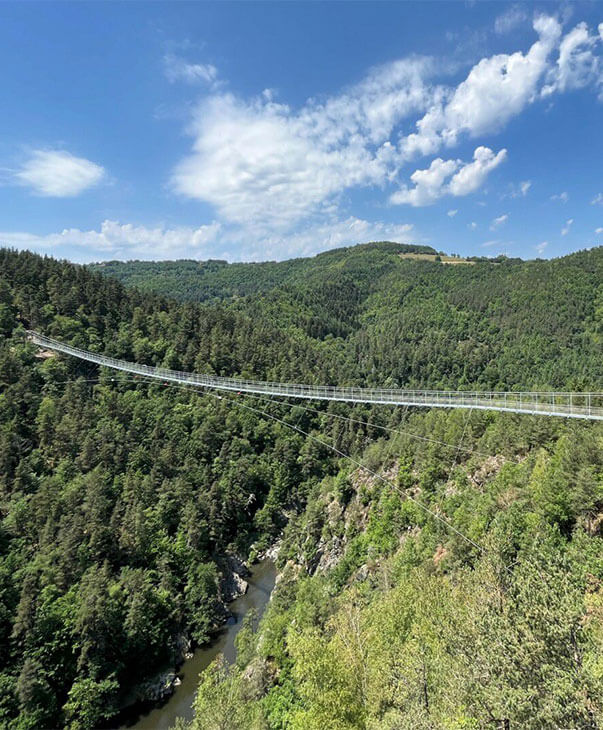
(472, 226)
(496, 89)
(58, 174)
(471, 176)
(177, 69)
(566, 228)
(318, 236)
(561, 197)
(577, 64)
(117, 240)
(448, 177)
(598, 231)
(214, 240)
(430, 184)
(260, 160)
(597, 200)
(541, 247)
(255, 159)
(452, 213)
(498, 222)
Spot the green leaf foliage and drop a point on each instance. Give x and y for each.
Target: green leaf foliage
(118, 497)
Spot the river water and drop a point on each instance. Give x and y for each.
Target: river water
(180, 704)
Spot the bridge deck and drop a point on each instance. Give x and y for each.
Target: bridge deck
(567, 405)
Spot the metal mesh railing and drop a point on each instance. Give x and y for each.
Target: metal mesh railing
(566, 404)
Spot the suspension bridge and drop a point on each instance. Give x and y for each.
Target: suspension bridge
(564, 404)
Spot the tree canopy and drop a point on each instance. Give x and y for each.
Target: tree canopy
(119, 497)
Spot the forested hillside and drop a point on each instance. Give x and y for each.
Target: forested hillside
(206, 280)
(382, 319)
(119, 499)
(386, 618)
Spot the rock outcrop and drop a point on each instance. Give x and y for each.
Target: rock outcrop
(233, 572)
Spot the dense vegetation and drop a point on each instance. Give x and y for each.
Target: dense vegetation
(214, 279)
(386, 618)
(371, 317)
(116, 500)
(119, 498)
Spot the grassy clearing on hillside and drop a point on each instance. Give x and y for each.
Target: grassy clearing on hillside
(433, 257)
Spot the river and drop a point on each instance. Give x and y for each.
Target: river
(179, 704)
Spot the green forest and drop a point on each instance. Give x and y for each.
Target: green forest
(457, 586)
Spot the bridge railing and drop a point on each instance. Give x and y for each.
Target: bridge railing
(566, 404)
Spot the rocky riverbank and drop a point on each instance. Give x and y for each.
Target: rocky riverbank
(233, 574)
(178, 691)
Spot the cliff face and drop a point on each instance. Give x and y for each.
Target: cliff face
(233, 571)
(391, 594)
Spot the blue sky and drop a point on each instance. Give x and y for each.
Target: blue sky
(254, 131)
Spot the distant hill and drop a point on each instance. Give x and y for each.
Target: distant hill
(214, 279)
(401, 315)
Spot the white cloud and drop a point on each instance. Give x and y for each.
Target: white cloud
(260, 160)
(566, 228)
(452, 213)
(214, 240)
(429, 184)
(577, 65)
(510, 20)
(487, 244)
(177, 69)
(495, 90)
(541, 246)
(471, 176)
(472, 225)
(524, 187)
(498, 222)
(597, 200)
(55, 173)
(598, 231)
(499, 87)
(319, 236)
(562, 197)
(521, 190)
(448, 177)
(117, 240)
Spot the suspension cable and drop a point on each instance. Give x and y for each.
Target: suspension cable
(204, 389)
(339, 452)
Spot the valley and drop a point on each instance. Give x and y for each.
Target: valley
(120, 496)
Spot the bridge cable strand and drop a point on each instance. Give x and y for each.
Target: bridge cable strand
(354, 461)
(360, 465)
(376, 425)
(204, 389)
(391, 446)
(466, 420)
(351, 459)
